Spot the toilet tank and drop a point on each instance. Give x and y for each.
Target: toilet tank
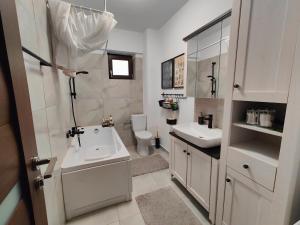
(139, 122)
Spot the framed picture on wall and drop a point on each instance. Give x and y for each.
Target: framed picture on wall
(178, 80)
(167, 70)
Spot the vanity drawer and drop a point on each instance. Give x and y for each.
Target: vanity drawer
(257, 169)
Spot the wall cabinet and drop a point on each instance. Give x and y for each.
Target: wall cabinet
(207, 61)
(197, 172)
(246, 202)
(266, 46)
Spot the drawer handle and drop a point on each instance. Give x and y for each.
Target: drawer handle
(246, 166)
(236, 86)
(228, 180)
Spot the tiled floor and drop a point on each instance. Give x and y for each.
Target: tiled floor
(128, 213)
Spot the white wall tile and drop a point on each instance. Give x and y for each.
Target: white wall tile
(35, 82)
(27, 27)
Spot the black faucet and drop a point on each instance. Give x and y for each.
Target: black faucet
(202, 118)
(209, 118)
(74, 131)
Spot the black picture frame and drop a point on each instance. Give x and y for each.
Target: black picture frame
(176, 86)
(167, 74)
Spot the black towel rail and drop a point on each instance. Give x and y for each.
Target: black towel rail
(42, 61)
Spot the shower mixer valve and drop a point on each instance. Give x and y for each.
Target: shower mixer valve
(74, 131)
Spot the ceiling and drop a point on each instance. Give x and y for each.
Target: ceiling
(137, 15)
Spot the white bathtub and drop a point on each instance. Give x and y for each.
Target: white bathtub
(97, 174)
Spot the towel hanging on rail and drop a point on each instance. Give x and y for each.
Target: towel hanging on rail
(78, 31)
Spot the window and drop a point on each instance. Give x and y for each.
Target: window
(120, 66)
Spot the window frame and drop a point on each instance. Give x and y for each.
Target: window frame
(128, 58)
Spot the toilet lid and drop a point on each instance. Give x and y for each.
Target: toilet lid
(143, 134)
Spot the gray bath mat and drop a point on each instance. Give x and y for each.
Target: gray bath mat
(164, 207)
(148, 164)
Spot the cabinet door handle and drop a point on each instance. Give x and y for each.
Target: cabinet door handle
(228, 180)
(236, 86)
(184, 151)
(188, 153)
(245, 166)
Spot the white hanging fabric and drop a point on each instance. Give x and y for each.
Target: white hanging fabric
(78, 32)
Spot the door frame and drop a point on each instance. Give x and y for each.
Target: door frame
(16, 66)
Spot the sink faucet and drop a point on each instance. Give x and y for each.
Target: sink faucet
(209, 118)
(202, 118)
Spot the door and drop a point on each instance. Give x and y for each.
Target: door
(22, 200)
(266, 46)
(246, 203)
(198, 176)
(180, 161)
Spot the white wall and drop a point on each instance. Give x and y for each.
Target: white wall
(126, 41)
(165, 44)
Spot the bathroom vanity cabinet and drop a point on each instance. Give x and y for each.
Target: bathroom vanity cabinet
(207, 59)
(196, 171)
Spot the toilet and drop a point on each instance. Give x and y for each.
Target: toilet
(143, 137)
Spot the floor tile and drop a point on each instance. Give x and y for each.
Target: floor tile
(143, 184)
(162, 178)
(105, 216)
(134, 220)
(128, 209)
(115, 223)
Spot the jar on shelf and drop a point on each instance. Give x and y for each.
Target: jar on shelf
(266, 118)
(252, 117)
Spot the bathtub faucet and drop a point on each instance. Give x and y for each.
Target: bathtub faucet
(74, 131)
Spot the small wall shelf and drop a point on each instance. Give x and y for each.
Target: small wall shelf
(165, 107)
(271, 131)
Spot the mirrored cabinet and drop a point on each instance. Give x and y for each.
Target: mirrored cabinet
(207, 59)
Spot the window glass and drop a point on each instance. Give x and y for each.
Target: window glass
(120, 67)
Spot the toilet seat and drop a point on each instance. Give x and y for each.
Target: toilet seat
(144, 135)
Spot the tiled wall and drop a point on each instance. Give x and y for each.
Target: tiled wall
(99, 96)
(210, 106)
(49, 98)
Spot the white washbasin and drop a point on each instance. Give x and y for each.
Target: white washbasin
(199, 135)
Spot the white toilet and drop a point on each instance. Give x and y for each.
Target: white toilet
(143, 137)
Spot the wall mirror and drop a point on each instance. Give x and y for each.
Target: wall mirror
(207, 58)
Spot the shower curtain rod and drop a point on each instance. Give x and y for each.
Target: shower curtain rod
(86, 8)
(90, 9)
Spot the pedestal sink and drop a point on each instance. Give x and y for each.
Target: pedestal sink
(199, 135)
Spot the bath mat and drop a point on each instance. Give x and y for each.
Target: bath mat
(148, 164)
(164, 207)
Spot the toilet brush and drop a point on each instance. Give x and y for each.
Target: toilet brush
(157, 140)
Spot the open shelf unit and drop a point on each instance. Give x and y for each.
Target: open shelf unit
(271, 131)
(257, 142)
